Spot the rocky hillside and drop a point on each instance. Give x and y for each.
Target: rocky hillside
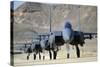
(32, 18)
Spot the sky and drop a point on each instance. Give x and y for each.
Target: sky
(17, 3)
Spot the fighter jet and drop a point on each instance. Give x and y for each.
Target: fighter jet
(70, 37)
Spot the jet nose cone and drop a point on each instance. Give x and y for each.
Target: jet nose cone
(67, 25)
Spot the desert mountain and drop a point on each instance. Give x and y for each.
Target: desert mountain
(31, 18)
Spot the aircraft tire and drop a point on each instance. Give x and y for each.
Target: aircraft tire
(50, 54)
(39, 56)
(78, 51)
(34, 56)
(55, 54)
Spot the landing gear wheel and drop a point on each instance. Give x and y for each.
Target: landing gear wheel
(68, 55)
(43, 57)
(34, 56)
(78, 51)
(39, 56)
(27, 57)
(50, 54)
(55, 54)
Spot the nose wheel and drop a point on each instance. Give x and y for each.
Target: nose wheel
(77, 51)
(68, 55)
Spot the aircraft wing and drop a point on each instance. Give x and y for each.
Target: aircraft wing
(43, 34)
(90, 35)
